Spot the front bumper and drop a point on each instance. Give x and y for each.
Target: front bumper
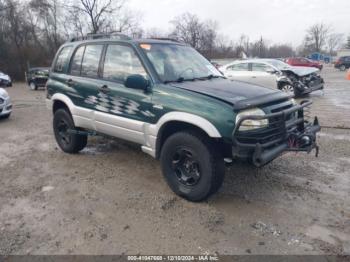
(287, 131)
(5, 83)
(313, 85)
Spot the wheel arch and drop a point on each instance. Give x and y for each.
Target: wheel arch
(62, 101)
(178, 121)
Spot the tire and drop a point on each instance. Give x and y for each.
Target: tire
(342, 68)
(68, 142)
(192, 151)
(287, 88)
(33, 86)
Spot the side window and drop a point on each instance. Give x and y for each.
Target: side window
(239, 67)
(121, 62)
(91, 60)
(257, 67)
(62, 59)
(75, 68)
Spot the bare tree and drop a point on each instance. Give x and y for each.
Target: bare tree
(201, 35)
(98, 12)
(316, 37)
(334, 41)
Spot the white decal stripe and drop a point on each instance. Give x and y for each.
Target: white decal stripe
(135, 131)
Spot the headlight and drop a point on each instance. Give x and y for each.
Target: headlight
(251, 124)
(294, 102)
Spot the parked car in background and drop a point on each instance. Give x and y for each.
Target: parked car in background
(305, 62)
(5, 104)
(5, 80)
(169, 99)
(217, 65)
(37, 77)
(274, 73)
(342, 63)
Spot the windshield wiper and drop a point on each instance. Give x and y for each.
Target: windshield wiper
(208, 77)
(179, 80)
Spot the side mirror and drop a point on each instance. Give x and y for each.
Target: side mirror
(271, 71)
(137, 82)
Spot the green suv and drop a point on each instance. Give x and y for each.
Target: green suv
(166, 97)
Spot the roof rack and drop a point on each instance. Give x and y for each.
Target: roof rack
(118, 36)
(166, 39)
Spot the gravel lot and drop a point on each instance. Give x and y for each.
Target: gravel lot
(112, 199)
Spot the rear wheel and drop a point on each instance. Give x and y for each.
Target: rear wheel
(64, 128)
(192, 166)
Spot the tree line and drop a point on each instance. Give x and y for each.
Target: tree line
(32, 31)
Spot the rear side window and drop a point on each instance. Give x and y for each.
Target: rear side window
(91, 60)
(76, 62)
(62, 59)
(121, 62)
(239, 67)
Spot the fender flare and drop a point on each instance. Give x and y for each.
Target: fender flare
(66, 100)
(192, 119)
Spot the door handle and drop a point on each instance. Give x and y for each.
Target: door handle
(70, 82)
(104, 89)
(253, 76)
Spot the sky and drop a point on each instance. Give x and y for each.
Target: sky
(278, 21)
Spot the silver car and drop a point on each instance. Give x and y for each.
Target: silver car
(5, 104)
(274, 73)
(5, 80)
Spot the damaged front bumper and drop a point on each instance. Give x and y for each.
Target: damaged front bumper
(309, 86)
(287, 131)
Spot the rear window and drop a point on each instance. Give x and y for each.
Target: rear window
(62, 59)
(91, 60)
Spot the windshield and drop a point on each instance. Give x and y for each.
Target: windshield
(42, 73)
(179, 63)
(278, 64)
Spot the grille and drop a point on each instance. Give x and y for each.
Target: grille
(276, 131)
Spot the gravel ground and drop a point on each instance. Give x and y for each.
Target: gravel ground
(112, 199)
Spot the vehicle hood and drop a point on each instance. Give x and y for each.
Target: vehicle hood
(301, 70)
(233, 92)
(3, 93)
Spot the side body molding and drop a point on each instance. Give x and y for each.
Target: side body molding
(135, 131)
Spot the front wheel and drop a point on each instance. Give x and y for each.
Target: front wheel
(32, 86)
(343, 68)
(287, 88)
(192, 166)
(64, 128)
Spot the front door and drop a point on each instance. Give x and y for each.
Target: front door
(122, 111)
(263, 75)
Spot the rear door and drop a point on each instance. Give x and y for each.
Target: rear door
(84, 76)
(123, 111)
(239, 72)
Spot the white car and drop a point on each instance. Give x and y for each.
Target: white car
(274, 73)
(5, 80)
(5, 104)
